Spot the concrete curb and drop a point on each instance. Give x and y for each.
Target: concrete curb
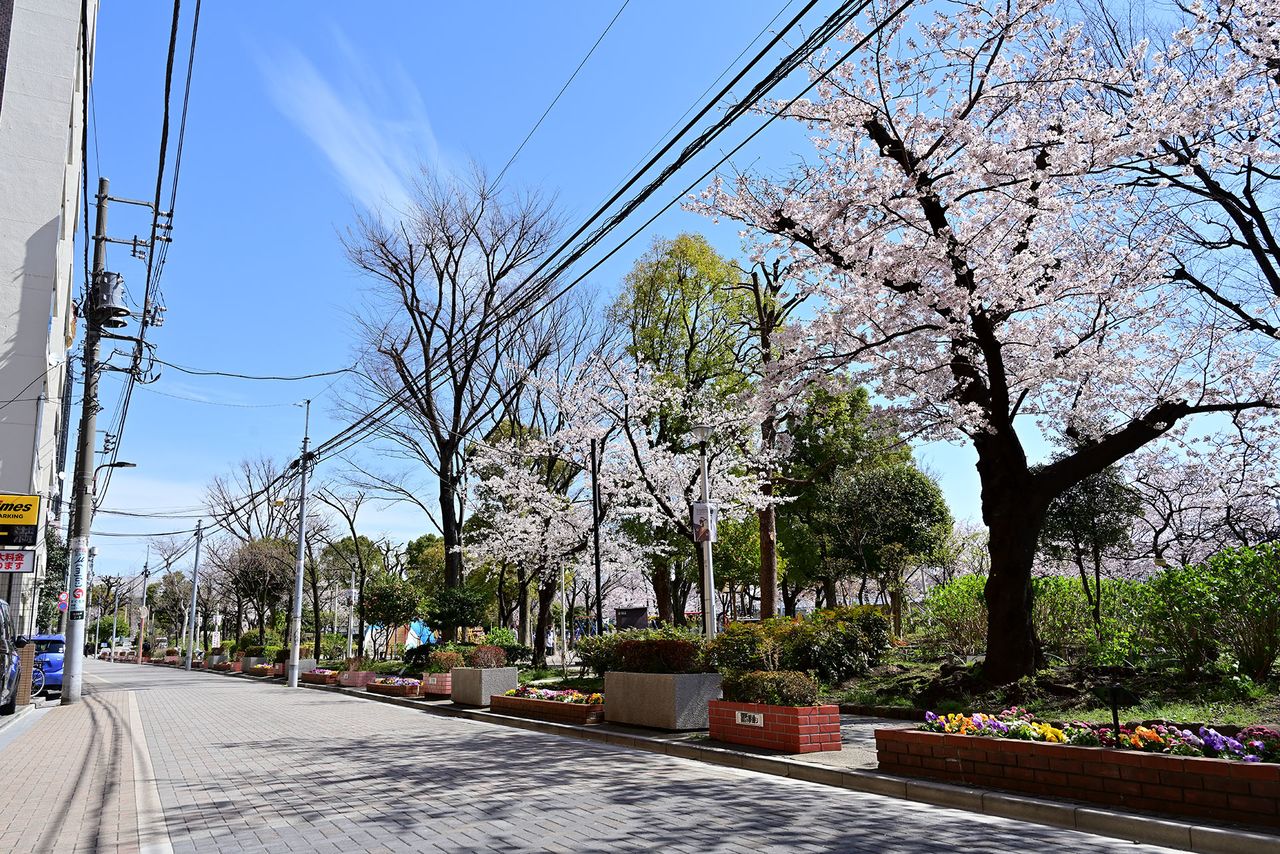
(1186, 836)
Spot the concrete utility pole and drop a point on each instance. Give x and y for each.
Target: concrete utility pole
(115, 621)
(295, 629)
(595, 532)
(82, 491)
(142, 610)
(351, 610)
(190, 639)
(702, 433)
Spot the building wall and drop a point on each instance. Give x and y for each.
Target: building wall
(40, 133)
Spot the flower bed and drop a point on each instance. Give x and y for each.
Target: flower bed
(261, 670)
(571, 707)
(394, 686)
(320, 676)
(1160, 772)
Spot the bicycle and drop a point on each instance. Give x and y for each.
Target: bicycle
(37, 680)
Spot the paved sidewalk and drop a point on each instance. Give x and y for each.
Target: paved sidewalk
(245, 766)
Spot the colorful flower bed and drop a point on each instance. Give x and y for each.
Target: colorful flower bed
(1255, 744)
(570, 707)
(530, 693)
(394, 686)
(320, 676)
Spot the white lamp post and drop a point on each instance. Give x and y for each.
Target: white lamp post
(701, 433)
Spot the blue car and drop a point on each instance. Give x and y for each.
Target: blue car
(9, 646)
(49, 652)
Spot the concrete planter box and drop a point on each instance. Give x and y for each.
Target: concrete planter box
(437, 684)
(670, 701)
(548, 710)
(318, 678)
(473, 686)
(791, 729)
(214, 659)
(250, 661)
(223, 666)
(393, 690)
(1127, 780)
(356, 678)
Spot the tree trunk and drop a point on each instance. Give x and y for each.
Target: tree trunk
(546, 595)
(522, 582)
(450, 524)
(1014, 515)
(790, 596)
(662, 590)
(829, 595)
(768, 557)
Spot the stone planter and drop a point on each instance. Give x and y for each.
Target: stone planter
(223, 666)
(473, 686)
(1217, 789)
(437, 684)
(318, 678)
(393, 690)
(356, 678)
(670, 701)
(212, 660)
(791, 729)
(548, 710)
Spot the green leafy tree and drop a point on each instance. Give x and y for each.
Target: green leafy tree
(453, 608)
(391, 602)
(1085, 523)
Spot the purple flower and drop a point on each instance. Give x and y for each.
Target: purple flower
(1249, 757)
(930, 717)
(1233, 745)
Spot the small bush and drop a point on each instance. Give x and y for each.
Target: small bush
(418, 656)
(773, 688)
(444, 661)
(501, 636)
(218, 650)
(659, 655)
(744, 647)
(1182, 615)
(953, 617)
(599, 652)
(518, 653)
(252, 651)
(836, 644)
(173, 650)
(487, 656)
(1247, 586)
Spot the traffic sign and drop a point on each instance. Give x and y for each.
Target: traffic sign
(62, 606)
(62, 597)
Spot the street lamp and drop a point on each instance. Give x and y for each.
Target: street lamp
(704, 532)
(119, 465)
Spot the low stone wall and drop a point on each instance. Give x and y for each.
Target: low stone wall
(473, 686)
(791, 729)
(1229, 791)
(670, 701)
(437, 684)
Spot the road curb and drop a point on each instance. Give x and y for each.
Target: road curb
(1170, 833)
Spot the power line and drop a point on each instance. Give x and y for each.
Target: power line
(207, 373)
(556, 99)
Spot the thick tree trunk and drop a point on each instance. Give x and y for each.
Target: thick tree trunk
(829, 596)
(768, 558)
(790, 596)
(522, 582)
(546, 595)
(1014, 512)
(662, 590)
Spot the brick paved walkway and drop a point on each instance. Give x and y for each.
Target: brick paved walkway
(244, 766)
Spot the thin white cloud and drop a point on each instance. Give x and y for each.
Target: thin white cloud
(369, 121)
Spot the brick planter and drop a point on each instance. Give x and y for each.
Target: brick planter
(393, 690)
(1243, 792)
(790, 729)
(548, 710)
(263, 671)
(670, 701)
(437, 684)
(319, 678)
(356, 678)
(171, 659)
(248, 662)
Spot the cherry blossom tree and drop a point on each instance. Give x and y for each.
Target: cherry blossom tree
(981, 265)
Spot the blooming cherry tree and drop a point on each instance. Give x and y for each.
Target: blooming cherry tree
(981, 266)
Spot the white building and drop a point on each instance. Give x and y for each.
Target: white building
(41, 114)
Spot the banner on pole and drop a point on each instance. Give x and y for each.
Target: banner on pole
(704, 522)
(79, 556)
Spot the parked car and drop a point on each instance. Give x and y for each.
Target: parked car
(9, 646)
(49, 654)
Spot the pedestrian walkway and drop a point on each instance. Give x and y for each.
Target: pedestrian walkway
(239, 765)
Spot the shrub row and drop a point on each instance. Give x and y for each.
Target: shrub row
(834, 645)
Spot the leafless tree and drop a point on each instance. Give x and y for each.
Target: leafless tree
(449, 330)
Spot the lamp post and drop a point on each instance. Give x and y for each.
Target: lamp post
(701, 433)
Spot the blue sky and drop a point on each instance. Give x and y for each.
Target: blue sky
(305, 114)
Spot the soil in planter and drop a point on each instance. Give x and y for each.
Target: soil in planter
(549, 710)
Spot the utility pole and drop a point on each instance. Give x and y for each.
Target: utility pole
(595, 531)
(115, 621)
(190, 639)
(142, 611)
(351, 610)
(295, 629)
(82, 491)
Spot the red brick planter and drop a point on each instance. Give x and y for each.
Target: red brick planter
(393, 690)
(1243, 792)
(262, 671)
(790, 729)
(437, 684)
(548, 710)
(319, 678)
(356, 678)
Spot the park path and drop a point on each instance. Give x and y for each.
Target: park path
(159, 760)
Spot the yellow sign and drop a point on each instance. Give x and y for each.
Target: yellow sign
(19, 509)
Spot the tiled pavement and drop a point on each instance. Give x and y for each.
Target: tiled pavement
(245, 766)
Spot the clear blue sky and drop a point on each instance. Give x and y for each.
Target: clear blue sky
(304, 114)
